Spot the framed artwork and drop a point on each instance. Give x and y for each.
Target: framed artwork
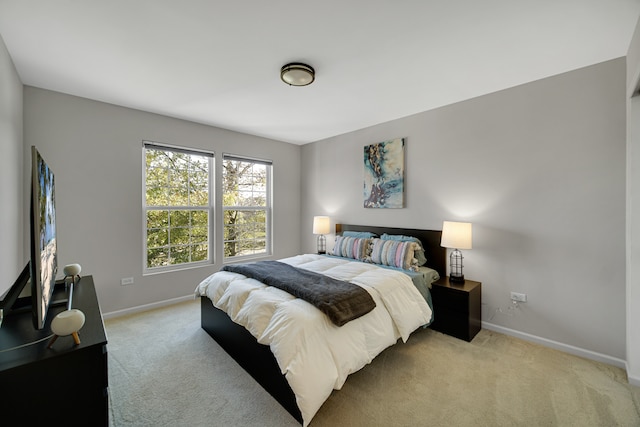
(384, 174)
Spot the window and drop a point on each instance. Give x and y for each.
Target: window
(177, 206)
(247, 207)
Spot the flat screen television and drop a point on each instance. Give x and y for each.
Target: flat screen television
(42, 267)
(44, 250)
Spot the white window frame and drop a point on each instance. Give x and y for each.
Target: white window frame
(210, 208)
(268, 209)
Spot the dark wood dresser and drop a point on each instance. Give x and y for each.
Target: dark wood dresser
(66, 383)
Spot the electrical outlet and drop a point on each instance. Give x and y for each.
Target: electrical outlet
(126, 281)
(515, 296)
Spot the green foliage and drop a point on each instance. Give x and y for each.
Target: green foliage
(175, 184)
(245, 184)
(176, 179)
(245, 203)
(177, 236)
(177, 200)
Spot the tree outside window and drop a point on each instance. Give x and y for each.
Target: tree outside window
(177, 206)
(246, 206)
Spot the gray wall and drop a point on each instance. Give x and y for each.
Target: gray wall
(95, 151)
(12, 253)
(539, 170)
(633, 210)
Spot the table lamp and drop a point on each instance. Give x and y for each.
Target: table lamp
(321, 227)
(456, 236)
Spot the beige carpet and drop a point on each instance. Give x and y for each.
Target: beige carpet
(164, 370)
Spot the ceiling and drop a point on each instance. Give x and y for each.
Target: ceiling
(218, 62)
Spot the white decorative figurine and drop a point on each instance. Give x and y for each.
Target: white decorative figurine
(71, 320)
(66, 323)
(72, 270)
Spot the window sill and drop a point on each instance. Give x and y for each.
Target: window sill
(174, 268)
(246, 258)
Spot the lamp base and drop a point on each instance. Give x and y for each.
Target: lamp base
(456, 279)
(322, 244)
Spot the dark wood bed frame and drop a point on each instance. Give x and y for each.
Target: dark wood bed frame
(257, 359)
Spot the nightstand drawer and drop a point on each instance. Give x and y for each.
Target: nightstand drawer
(451, 299)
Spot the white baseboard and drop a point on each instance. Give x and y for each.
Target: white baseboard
(146, 307)
(577, 351)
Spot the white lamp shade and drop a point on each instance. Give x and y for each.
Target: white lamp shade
(456, 235)
(321, 225)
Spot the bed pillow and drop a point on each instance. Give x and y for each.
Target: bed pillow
(394, 253)
(360, 234)
(351, 247)
(419, 253)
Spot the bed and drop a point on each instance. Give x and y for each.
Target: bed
(257, 341)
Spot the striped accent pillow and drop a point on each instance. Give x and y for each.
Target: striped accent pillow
(419, 252)
(352, 247)
(394, 253)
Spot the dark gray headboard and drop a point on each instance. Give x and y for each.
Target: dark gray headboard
(436, 254)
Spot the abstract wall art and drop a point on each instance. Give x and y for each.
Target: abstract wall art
(384, 174)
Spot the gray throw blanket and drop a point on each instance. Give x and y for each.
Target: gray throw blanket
(341, 301)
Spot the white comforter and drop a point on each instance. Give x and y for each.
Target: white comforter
(315, 355)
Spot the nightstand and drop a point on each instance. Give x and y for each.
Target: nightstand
(456, 308)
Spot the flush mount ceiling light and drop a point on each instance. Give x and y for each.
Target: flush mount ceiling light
(297, 74)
